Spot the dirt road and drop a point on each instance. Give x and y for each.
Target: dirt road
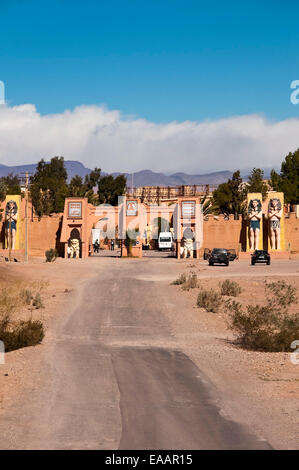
(114, 376)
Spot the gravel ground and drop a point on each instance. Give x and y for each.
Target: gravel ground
(258, 389)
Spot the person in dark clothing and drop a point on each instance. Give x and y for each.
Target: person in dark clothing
(112, 245)
(96, 246)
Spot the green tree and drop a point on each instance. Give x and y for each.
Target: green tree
(222, 199)
(288, 179)
(92, 182)
(109, 188)
(256, 183)
(80, 188)
(76, 187)
(238, 194)
(9, 184)
(2, 190)
(49, 188)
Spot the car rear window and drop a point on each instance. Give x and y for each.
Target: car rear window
(165, 239)
(219, 250)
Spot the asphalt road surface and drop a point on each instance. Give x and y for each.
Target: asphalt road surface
(107, 385)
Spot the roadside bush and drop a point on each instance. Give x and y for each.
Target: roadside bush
(51, 255)
(180, 280)
(21, 334)
(26, 296)
(37, 301)
(209, 299)
(270, 327)
(230, 288)
(191, 282)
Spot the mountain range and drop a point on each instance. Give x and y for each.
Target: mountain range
(139, 178)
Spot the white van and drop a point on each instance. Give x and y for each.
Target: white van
(165, 241)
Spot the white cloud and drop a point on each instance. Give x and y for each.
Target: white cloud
(100, 137)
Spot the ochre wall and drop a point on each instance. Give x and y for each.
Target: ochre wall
(291, 227)
(43, 234)
(221, 233)
(217, 232)
(230, 233)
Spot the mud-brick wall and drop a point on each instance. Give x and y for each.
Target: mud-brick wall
(221, 233)
(292, 232)
(44, 234)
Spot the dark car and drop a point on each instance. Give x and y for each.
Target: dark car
(232, 254)
(260, 256)
(219, 256)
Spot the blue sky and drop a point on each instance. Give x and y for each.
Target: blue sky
(163, 84)
(162, 60)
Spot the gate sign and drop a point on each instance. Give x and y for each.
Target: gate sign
(132, 208)
(75, 209)
(188, 209)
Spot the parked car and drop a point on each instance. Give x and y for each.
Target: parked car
(232, 254)
(220, 256)
(260, 256)
(206, 253)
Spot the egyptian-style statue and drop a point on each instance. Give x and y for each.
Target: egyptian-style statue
(74, 250)
(274, 216)
(11, 217)
(188, 240)
(255, 216)
(188, 248)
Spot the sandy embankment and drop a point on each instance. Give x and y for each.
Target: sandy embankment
(58, 283)
(261, 389)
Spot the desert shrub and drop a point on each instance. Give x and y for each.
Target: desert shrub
(270, 327)
(280, 294)
(21, 334)
(51, 255)
(191, 282)
(9, 301)
(209, 299)
(180, 280)
(26, 296)
(37, 301)
(18, 334)
(230, 288)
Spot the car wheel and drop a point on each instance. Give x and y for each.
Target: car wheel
(268, 262)
(211, 264)
(252, 263)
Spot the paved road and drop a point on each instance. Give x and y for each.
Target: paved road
(114, 378)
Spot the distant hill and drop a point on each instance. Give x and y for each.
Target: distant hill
(140, 178)
(150, 178)
(73, 168)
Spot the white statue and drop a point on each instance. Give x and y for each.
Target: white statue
(74, 249)
(188, 248)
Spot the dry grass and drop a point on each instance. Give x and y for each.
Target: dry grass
(16, 298)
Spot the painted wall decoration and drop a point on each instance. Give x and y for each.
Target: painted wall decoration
(255, 222)
(132, 207)
(188, 209)
(75, 209)
(275, 203)
(12, 221)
